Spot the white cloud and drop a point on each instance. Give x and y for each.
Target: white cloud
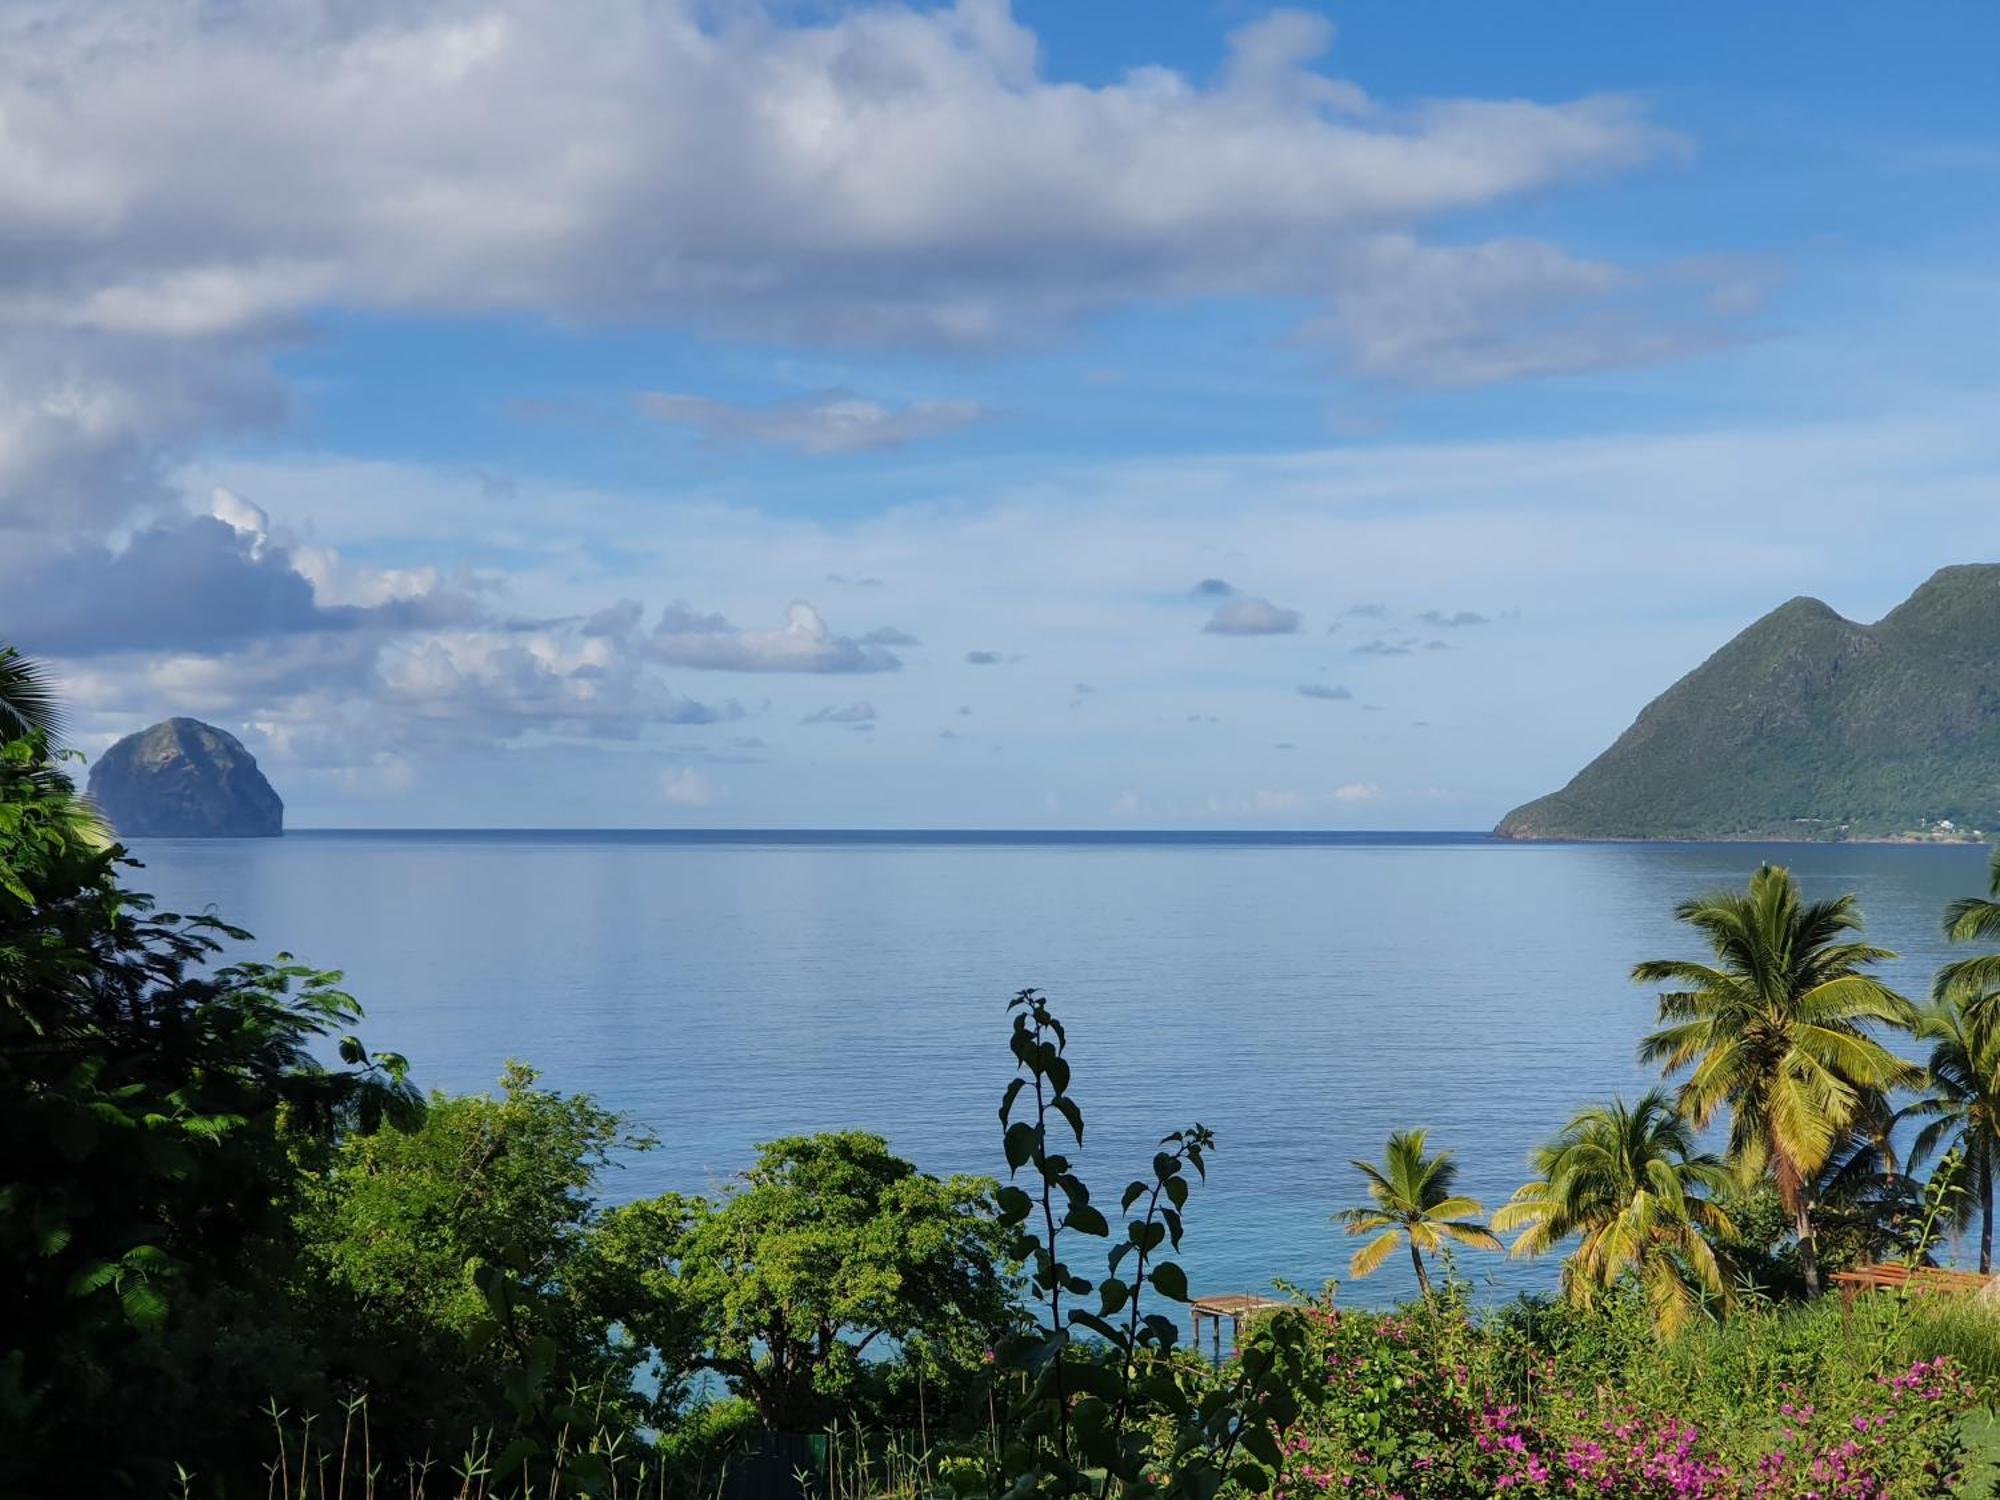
(1073, 564)
(887, 176)
(803, 644)
(1514, 309)
(554, 677)
(853, 716)
(1357, 791)
(891, 170)
(1332, 693)
(209, 583)
(1252, 617)
(832, 422)
(688, 787)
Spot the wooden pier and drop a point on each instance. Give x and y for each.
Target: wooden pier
(1238, 1308)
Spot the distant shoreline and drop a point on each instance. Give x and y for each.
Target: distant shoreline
(1047, 837)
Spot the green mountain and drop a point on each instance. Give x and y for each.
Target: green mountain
(1809, 726)
(185, 779)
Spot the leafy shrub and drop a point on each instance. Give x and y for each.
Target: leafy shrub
(1429, 1406)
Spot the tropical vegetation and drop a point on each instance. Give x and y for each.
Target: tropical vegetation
(1776, 1031)
(242, 1253)
(1627, 1184)
(1414, 1205)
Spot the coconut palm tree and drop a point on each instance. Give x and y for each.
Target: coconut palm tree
(1627, 1181)
(27, 699)
(1961, 1099)
(1777, 1030)
(1970, 920)
(1413, 1201)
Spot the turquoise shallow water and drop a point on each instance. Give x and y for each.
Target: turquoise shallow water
(1301, 995)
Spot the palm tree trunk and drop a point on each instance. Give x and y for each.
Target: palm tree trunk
(1986, 1218)
(1808, 1249)
(1423, 1277)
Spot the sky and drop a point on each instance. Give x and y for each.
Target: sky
(509, 413)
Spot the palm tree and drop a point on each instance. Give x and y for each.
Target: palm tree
(1776, 1029)
(1962, 1099)
(1628, 1181)
(1413, 1200)
(1970, 920)
(27, 700)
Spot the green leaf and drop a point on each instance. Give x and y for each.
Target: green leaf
(1086, 1220)
(1251, 1476)
(1067, 1108)
(1083, 1318)
(93, 1278)
(1014, 1205)
(1258, 1442)
(145, 1308)
(1169, 1280)
(1019, 1144)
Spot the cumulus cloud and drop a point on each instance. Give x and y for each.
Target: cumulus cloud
(853, 716)
(1252, 617)
(1457, 619)
(888, 176)
(709, 643)
(890, 171)
(1326, 691)
(549, 678)
(827, 423)
(688, 787)
(1357, 791)
(203, 584)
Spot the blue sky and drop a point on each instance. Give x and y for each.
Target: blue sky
(814, 415)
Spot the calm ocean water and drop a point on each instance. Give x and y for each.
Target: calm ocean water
(1301, 995)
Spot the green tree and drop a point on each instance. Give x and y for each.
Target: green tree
(1628, 1184)
(1414, 1203)
(155, 1103)
(1973, 919)
(830, 1246)
(1961, 1100)
(28, 702)
(1776, 1030)
(446, 1257)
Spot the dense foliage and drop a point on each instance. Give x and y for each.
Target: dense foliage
(831, 1246)
(234, 1239)
(157, 1112)
(223, 1219)
(1543, 1401)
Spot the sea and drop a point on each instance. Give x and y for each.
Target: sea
(1302, 995)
